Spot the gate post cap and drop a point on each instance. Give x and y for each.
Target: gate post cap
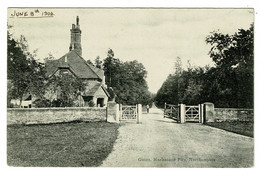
(207, 103)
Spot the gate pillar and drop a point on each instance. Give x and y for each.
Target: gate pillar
(201, 113)
(120, 111)
(182, 115)
(112, 112)
(117, 113)
(139, 113)
(209, 112)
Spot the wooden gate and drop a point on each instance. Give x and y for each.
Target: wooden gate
(172, 112)
(192, 113)
(128, 112)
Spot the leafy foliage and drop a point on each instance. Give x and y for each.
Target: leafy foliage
(43, 103)
(61, 91)
(90, 62)
(127, 80)
(183, 86)
(91, 103)
(98, 62)
(234, 57)
(67, 89)
(232, 50)
(228, 84)
(27, 76)
(24, 73)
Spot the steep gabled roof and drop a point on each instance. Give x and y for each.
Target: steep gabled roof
(94, 89)
(77, 64)
(98, 71)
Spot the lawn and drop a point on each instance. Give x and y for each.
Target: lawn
(77, 144)
(240, 127)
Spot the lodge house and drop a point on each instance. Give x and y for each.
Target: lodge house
(73, 63)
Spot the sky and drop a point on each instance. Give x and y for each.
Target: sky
(154, 37)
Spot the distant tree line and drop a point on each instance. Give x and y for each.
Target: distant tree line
(230, 83)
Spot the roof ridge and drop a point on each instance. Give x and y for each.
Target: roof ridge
(66, 54)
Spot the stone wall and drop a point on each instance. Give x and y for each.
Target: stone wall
(55, 115)
(230, 114)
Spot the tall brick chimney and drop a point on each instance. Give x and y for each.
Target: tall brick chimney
(75, 38)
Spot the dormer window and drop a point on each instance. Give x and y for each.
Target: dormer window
(64, 71)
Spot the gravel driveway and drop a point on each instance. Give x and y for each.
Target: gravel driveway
(159, 142)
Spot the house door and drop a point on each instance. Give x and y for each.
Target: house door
(100, 102)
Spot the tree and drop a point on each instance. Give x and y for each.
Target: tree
(110, 53)
(228, 84)
(182, 86)
(127, 80)
(67, 89)
(172, 89)
(90, 62)
(177, 75)
(111, 65)
(23, 71)
(50, 57)
(98, 62)
(234, 58)
(192, 93)
(10, 89)
(131, 86)
(232, 50)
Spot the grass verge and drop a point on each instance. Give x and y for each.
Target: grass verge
(239, 127)
(60, 145)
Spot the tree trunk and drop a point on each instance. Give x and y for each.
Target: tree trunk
(21, 99)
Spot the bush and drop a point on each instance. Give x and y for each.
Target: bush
(91, 103)
(42, 103)
(56, 103)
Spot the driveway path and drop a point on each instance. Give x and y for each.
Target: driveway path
(159, 142)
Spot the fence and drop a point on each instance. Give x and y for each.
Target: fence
(206, 112)
(130, 113)
(172, 111)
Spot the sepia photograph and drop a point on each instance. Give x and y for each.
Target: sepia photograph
(130, 87)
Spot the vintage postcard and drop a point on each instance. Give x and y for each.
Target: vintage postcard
(130, 87)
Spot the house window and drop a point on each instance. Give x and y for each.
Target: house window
(64, 71)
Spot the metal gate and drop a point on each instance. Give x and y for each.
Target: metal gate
(172, 111)
(192, 113)
(128, 112)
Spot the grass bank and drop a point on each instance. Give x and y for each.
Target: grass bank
(240, 127)
(75, 144)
